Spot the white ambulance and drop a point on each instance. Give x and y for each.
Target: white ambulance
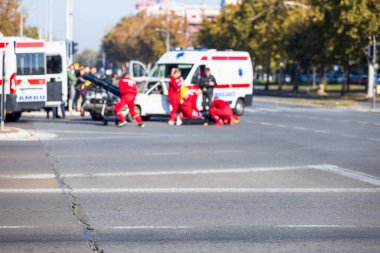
(38, 75)
(232, 70)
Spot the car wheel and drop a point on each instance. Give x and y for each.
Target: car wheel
(239, 107)
(96, 116)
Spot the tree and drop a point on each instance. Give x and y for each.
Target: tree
(10, 17)
(87, 58)
(257, 26)
(310, 34)
(136, 37)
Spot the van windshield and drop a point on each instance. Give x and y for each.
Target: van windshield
(30, 64)
(163, 70)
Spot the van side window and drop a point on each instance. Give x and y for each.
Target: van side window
(196, 79)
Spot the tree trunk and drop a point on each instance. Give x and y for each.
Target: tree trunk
(346, 79)
(296, 81)
(314, 69)
(281, 78)
(268, 71)
(322, 83)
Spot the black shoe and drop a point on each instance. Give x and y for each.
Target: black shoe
(141, 125)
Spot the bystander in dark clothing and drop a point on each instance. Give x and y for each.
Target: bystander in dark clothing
(207, 84)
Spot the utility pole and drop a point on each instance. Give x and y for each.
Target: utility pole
(2, 106)
(22, 23)
(69, 30)
(50, 20)
(375, 67)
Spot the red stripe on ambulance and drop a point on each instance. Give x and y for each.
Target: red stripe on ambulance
(3, 44)
(242, 85)
(230, 58)
(33, 81)
(222, 86)
(29, 44)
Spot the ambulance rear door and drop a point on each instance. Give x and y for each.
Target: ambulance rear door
(31, 74)
(56, 72)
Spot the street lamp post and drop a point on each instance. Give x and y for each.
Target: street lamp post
(167, 37)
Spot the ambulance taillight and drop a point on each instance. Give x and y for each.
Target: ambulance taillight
(13, 84)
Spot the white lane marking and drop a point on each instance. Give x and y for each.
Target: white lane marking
(115, 137)
(348, 135)
(281, 126)
(226, 151)
(147, 227)
(189, 190)
(28, 176)
(33, 190)
(225, 190)
(373, 139)
(110, 133)
(300, 128)
(163, 153)
(15, 227)
(349, 173)
(316, 226)
(187, 172)
(87, 132)
(321, 131)
(266, 124)
(362, 122)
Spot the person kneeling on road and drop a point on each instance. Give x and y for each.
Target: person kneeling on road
(128, 90)
(221, 112)
(190, 115)
(189, 108)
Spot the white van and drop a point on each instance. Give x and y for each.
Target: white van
(56, 72)
(233, 72)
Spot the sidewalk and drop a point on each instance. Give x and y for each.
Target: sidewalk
(18, 134)
(343, 104)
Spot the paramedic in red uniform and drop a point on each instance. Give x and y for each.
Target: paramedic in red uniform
(174, 94)
(128, 90)
(189, 105)
(221, 112)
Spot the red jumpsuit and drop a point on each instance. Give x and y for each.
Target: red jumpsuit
(128, 90)
(221, 112)
(174, 96)
(189, 106)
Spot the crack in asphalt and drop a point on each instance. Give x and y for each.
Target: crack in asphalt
(73, 203)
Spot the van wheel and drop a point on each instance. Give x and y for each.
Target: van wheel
(239, 107)
(12, 117)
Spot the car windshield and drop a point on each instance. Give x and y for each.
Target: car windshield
(163, 70)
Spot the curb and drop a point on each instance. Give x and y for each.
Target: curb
(18, 134)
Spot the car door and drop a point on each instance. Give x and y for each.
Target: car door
(157, 99)
(139, 74)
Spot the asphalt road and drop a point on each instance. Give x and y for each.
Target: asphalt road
(286, 179)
